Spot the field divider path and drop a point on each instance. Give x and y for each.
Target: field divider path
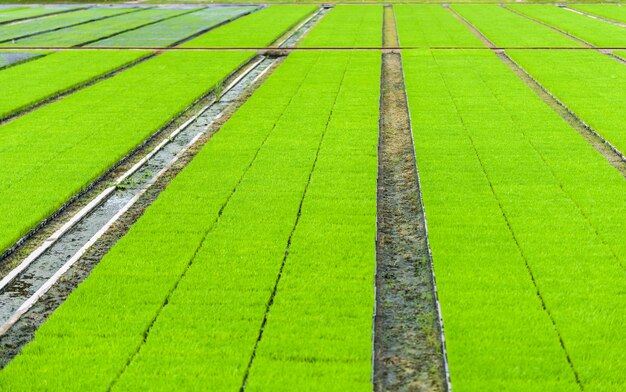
(565, 7)
(133, 10)
(62, 11)
(613, 155)
(409, 343)
(110, 205)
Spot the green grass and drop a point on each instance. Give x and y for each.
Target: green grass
(14, 31)
(348, 26)
(174, 30)
(35, 81)
(506, 29)
(256, 172)
(590, 83)
(50, 154)
(258, 29)
(609, 11)
(85, 33)
(29, 12)
(431, 25)
(507, 182)
(594, 31)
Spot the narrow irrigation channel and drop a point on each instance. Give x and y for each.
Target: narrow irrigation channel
(31, 279)
(47, 266)
(408, 345)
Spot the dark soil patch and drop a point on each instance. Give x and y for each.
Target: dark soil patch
(407, 339)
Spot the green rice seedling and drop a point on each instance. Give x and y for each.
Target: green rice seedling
(348, 26)
(194, 275)
(14, 31)
(173, 30)
(616, 12)
(594, 31)
(19, 13)
(35, 81)
(53, 152)
(506, 29)
(522, 213)
(258, 29)
(430, 25)
(85, 33)
(591, 84)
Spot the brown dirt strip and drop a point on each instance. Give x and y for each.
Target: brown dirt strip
(408, 350)
(24, 329)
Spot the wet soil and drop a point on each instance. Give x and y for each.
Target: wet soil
(408, 354)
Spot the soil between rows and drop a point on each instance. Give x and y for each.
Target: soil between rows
(408, 354)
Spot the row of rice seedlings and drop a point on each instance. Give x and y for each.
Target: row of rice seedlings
(258, 29)
(428, 25)
(19, 13)
(348, 26)
(523, 213)
(591, 84)
(14, 31)
(506, 29)
(615, 12)
(88, 32)
(318, 331)
(52, 153)
(194, 275)
(594, 31)
(174, 30)
(37, 80)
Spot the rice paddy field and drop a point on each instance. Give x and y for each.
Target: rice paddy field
(313, 197)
